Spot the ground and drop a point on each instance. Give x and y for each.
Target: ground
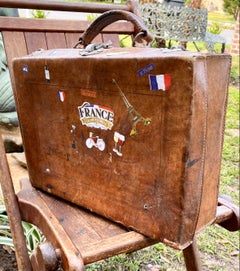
(7, 260)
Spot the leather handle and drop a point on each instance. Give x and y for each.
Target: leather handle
(109, 17)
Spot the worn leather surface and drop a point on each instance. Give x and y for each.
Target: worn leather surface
(161, 180)
(108, 18)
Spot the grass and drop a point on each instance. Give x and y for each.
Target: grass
(232, 120)
(221, 18)
(230, 161)
(235, 77)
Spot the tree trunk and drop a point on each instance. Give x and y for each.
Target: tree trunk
(195, 3)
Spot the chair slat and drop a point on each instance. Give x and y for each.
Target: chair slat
(35, 41)
(56, 40)
(94, 236)
(15, 46)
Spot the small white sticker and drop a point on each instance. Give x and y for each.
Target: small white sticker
(47, 73)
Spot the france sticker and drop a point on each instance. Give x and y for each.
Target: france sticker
(160, 82)
(61, 96)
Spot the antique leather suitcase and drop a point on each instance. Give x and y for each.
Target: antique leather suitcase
(134, 134)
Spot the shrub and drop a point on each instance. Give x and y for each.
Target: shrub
(231, 7)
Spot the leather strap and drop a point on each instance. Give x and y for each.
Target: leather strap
(109, 17)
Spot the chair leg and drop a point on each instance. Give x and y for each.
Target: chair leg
(45, 258)
(192, 258)
(37, 212)
(13, 213)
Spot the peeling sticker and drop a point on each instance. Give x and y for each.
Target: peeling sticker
(96, 116)
(95, 141)
(51, 53)
(73, 132)
(160, 82)
(146, 70)
(117, 53)
(88, 93)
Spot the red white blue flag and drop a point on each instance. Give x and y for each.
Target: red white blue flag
(160, 82)
(61, 96)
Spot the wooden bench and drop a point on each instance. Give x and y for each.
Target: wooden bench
(23, 36)
(59, 221)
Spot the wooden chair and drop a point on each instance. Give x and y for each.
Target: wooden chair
(75, 236)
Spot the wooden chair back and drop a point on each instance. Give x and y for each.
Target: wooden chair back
(22, 36)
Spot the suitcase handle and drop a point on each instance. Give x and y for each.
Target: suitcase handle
(109, 17)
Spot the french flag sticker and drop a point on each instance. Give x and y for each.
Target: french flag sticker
(61, 96)
(160, 82)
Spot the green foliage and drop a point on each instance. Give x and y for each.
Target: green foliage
(33, 236)
(219, 242)
(158, 255)
(39, 14)
(235, 77)
(231, 7)
(215, 28)
(234, 74)
(32, 233)
(187, 2)
(91, 17)
(5, 234)
(232, 119)
(125, 40)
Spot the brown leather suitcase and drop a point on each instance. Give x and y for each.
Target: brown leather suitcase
(134, 134)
